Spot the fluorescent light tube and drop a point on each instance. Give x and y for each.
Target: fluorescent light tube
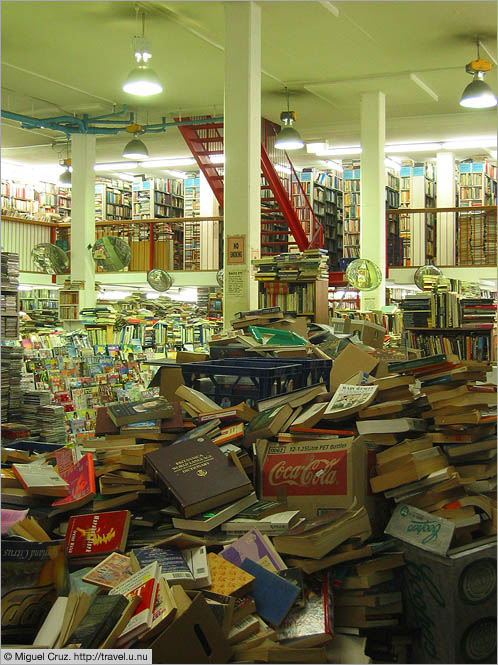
(168, 161)
(115, 166)
(413, 147)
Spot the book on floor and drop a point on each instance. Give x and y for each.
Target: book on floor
(97, 533)
(197, 475)
(227, 578)
(348, 400)
(81, 481)
(143, 583)
(256, 546)
(112, 571)
(40, 479)
(211, 519)
(124, 413)
(267, 423)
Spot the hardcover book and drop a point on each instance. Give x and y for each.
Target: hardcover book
(123, 413)
(273, 595)
(97, 533)
(197, 475)
(267, 423)
(211, 519)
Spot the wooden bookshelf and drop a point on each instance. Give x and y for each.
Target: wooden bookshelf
(157, 198)
(324, 189)
(38, 299)
(69, 305)
(305, 297)
(112, 199)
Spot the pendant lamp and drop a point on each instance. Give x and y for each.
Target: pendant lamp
(288, 138)
(478, 94)
(142, 81)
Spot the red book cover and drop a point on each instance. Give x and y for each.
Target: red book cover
(97, 533)
(81, 480)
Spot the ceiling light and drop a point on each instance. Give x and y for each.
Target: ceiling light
(65, 178)
(288, 138)
(135, 149)
(478, 94)
(142, 81)
(462, 144)
(354, 150)
(316, 147)
(115, 166)
(334, 165)
(177, 174)
(413, 147)
(158, 162)
(217, 159)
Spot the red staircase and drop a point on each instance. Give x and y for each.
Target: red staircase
(281, 224)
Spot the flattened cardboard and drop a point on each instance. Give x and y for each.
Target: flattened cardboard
(168, 378)
(194, 637)
(370, 333)
(315, 476)
(350, 360)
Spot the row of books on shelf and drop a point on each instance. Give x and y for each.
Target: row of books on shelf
(473, 346)
(448, 310)
(310, 264)
(292, 297)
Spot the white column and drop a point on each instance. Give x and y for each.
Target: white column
(242, 131)
(210, 231)
(83, 215)
(445, 223)
(372, 191)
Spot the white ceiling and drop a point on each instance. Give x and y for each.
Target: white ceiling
(72, 57)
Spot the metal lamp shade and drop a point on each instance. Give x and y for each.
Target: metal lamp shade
(289, 139)
(478, 95)
(142, 82)
(65, 178)
(135, 149)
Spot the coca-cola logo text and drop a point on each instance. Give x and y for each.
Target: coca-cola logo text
(306, 474)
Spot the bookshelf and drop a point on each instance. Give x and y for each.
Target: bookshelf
(476, 233)
(324, 191)
(351, 206)
(418, 190)
(394, 241)
(38, 299)
(450, 322)
(28, 200)
(10, 297)
(69, 303)
(343, 299)
(157, 198)
(192, 246)
(64, 201)
(192, 197)
(112, 200)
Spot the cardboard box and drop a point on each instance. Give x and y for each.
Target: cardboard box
(297, 325)
(168, 377)
(194, 637)
(190, 357)
(370, 333)
(349, 361)
(314, 476)
(341, 325)
(450, 603)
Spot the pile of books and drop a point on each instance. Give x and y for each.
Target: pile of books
(309, 265)
(255, 525)
(10, 270)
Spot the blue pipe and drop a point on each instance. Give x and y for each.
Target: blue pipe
(79, 126)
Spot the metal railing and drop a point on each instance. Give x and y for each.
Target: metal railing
(441, 236)
(173, 244)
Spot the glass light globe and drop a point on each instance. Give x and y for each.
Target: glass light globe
(421, 272)
(364, 275)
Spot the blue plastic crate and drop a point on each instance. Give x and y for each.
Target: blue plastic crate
(313, 370)
(229, 376)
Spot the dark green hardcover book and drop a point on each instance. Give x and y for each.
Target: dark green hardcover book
(98, 622)
(418, 362)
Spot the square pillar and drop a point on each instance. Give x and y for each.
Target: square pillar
(83, 215)
(446, 197)
(242, 135)
(373, 192)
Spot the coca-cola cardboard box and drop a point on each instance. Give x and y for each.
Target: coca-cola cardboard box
(314, 476)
